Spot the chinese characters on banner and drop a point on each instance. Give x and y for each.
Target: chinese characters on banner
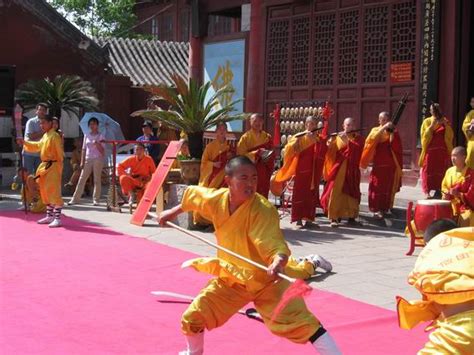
(429, 56)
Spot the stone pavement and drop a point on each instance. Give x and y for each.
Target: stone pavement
(369, 262)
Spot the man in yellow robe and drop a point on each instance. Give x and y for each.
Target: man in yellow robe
(341, 195)
(453, 179)
(215, 156)
(255, 144)
(247, 224)
(49, 172)
(444, 275)
(468, 129)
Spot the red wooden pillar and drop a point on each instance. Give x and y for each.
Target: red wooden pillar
(195, 58)
(253, 95)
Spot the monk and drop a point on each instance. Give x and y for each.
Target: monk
(444, 275)
(246, 223)
(468, 129)
(255, 144)
(215, 156)
(135, 172)
(341, 194)
(458, 187)
(436, 146)
(383, 148)
(300, 161)
(49, 172)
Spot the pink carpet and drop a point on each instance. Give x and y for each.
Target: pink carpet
(84, 289)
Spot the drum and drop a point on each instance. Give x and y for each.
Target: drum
(427, 211)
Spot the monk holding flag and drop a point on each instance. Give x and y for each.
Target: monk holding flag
(436, 146)
(255, 144)
(300, 161)
(341, 195)
(383, 148)
(468, 129)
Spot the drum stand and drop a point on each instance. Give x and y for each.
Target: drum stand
(415, 240)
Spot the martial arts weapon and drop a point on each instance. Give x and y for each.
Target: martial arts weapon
(298, 287)
(249, 312)
(397, 114)
(18, 114)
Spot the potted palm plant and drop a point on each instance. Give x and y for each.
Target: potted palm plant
(68, 93)
(192, 110)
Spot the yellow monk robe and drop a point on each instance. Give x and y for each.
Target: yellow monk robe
(300, 161)
(252, 231)
(211, 176)
(386, 155)
(341, 195)
(50, 170)
(249, 145)
(469, 138)
(444, 275)
(435, 157)
(452, 179)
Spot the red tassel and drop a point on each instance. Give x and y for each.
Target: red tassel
(299, 288)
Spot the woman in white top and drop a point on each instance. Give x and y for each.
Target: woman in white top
(92, 160)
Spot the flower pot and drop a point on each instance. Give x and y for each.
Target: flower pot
(190, 171)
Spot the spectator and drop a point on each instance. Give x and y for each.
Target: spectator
(33, 133)
(153, 150)
(92, 160)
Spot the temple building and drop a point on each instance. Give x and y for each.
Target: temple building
(361, 55)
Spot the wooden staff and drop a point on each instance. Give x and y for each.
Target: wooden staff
(228, 251)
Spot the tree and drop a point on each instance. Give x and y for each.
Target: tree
(190, 111)
(99, 18)
(64, 93)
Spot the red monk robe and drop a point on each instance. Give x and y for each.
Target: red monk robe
(252, 144)
(300, 160)
(435, 157)
(341, 194)
(466, 203)
(384, 151)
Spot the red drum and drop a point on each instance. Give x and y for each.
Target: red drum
(427, 211)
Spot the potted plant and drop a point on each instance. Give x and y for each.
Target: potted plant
(191, 112)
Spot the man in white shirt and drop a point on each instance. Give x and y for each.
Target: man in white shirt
(33, 133)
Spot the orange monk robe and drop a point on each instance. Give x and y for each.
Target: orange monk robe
(453, 179)
(250, 144)
(386, 155)
(212, 176)
(469, 139)
(50, 170)
(300, 161)
(341, 194)
(435, 157)
(140, 172)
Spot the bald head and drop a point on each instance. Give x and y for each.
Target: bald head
(459, 151)
(384, 117)
(348, 124)
(311, 123)
(256, 122)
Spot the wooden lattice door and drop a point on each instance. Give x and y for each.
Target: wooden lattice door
(348, 50)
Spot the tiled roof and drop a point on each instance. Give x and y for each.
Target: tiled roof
(146, 62)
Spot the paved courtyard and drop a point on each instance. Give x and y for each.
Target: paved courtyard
(369, 262)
